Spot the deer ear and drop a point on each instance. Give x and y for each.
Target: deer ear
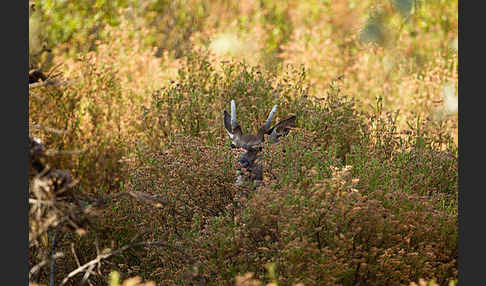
(227, 123)
(281, 129)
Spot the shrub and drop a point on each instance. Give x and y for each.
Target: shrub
(317, 219)
(363, 191)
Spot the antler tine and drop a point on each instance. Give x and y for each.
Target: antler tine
(266, 126)
(234, 123)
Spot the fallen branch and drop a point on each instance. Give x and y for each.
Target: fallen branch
(92, 263)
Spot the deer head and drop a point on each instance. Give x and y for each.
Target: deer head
(252, 144)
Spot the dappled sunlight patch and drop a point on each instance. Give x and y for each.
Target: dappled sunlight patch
(450, 99)
(226, 44)
(244, 46)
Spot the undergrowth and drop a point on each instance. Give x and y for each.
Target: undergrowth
(348, 199)
(362, 192)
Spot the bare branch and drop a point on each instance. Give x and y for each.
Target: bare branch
(74, 254)
(55, 153)
(50, 82)
(42, 202)
(36, 96)
(106, 255)
(51, 74)
(49, 129)
(88, 272)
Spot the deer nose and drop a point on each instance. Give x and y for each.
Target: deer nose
(244, 163)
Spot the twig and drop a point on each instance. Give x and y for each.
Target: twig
(51, 82)
(41, 202)
(53, 69)
(35, 96)
(100, 257)
(87, 273)
(97, 244)
(55, 153)
(49, 129)
(74, 254)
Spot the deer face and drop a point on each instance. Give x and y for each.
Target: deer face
(250, 144)
(249, 157)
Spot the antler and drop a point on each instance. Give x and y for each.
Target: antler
(234, 123)
(252, 143)
(266, 126)
(231, 124)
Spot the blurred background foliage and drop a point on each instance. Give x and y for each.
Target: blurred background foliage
(403, 50)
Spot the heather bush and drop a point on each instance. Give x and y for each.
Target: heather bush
(362, 192)
(319, 220)
(84, 111)
(96, 111)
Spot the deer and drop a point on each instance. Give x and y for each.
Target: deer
(251, 145)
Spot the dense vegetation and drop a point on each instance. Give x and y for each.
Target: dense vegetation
(362, 192)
